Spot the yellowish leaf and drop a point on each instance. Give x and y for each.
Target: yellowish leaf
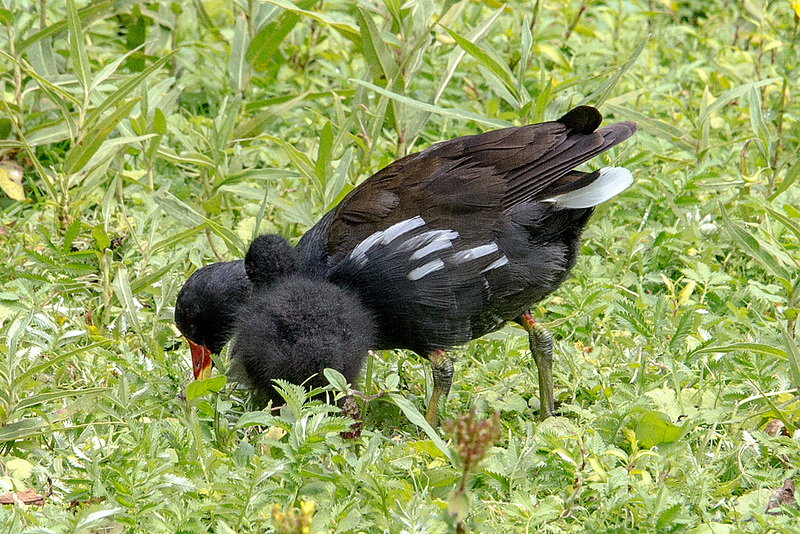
(11, 180)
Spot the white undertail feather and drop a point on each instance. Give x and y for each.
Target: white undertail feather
(611, 182)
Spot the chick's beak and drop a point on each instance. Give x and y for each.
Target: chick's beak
(201, 360)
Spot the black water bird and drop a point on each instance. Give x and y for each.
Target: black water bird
(448, 244)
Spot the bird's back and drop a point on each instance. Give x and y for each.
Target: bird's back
(447, 244)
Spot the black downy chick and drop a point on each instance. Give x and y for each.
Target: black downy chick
(293, 327)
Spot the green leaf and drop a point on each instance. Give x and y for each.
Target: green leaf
(226, 121)
(188, 216)
(733, 94)
(5, 127)
(70, 234)
(303, 164)
(790, 177)
(655, 127)
(266, 42)
(77, 49)
(348, 31)
(751, 246)
(200, 388)
(682, 331)
(35, 400)
(24, 429)
(336, 379)
(83, 152)
(760, 348)
(35, 370)
(474, 36)
(159, 127)
(449, 113)
(84, 14)
(185, 158)
(793, 354)
(122, 289)
(602, 93)
(253, 419)
(324, 152)
(418, 419)
(101, 239)
(237, 66)
(375, 49)
(115, 99)
(760, 130)
(489, 59)
(655, 428)
(336, 185)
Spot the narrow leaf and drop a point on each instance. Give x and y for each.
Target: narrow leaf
(793, 353)
(375, 49)
(759, 348)
(266, 42)
(324, 153)
(114, 100)
(602, 93)
(83, 14)
(237, 66)
(348, 31)
(456, 114)
(751, 246)
(82, 153)
(655, 127)
(733, 94)
(418, 419)
(77, 49)
(489, 59)
(122, 289)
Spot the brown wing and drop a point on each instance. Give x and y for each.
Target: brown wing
(466, 184)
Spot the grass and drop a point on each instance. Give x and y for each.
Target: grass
(140, 141)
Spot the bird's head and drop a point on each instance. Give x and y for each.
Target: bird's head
(206, 309)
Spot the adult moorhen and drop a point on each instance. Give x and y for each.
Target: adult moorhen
(448, 244)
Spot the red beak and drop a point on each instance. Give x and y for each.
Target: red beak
(201, 360)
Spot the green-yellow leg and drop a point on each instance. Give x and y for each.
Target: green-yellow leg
(442, 371)
(541, 343)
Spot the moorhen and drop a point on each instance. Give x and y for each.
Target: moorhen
(448, 244)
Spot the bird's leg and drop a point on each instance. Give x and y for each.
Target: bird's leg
(541, 343)
(442, 370)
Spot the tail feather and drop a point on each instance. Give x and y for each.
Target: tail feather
(610, 182)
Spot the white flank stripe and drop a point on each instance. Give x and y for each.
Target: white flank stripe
(477, 252)
(439, 242)
(428, 268)
(496, 263)
(611, 182)
(359, 254)
(403, 227)
(424, 239)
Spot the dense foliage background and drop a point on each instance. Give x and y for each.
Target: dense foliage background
(141, 140)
